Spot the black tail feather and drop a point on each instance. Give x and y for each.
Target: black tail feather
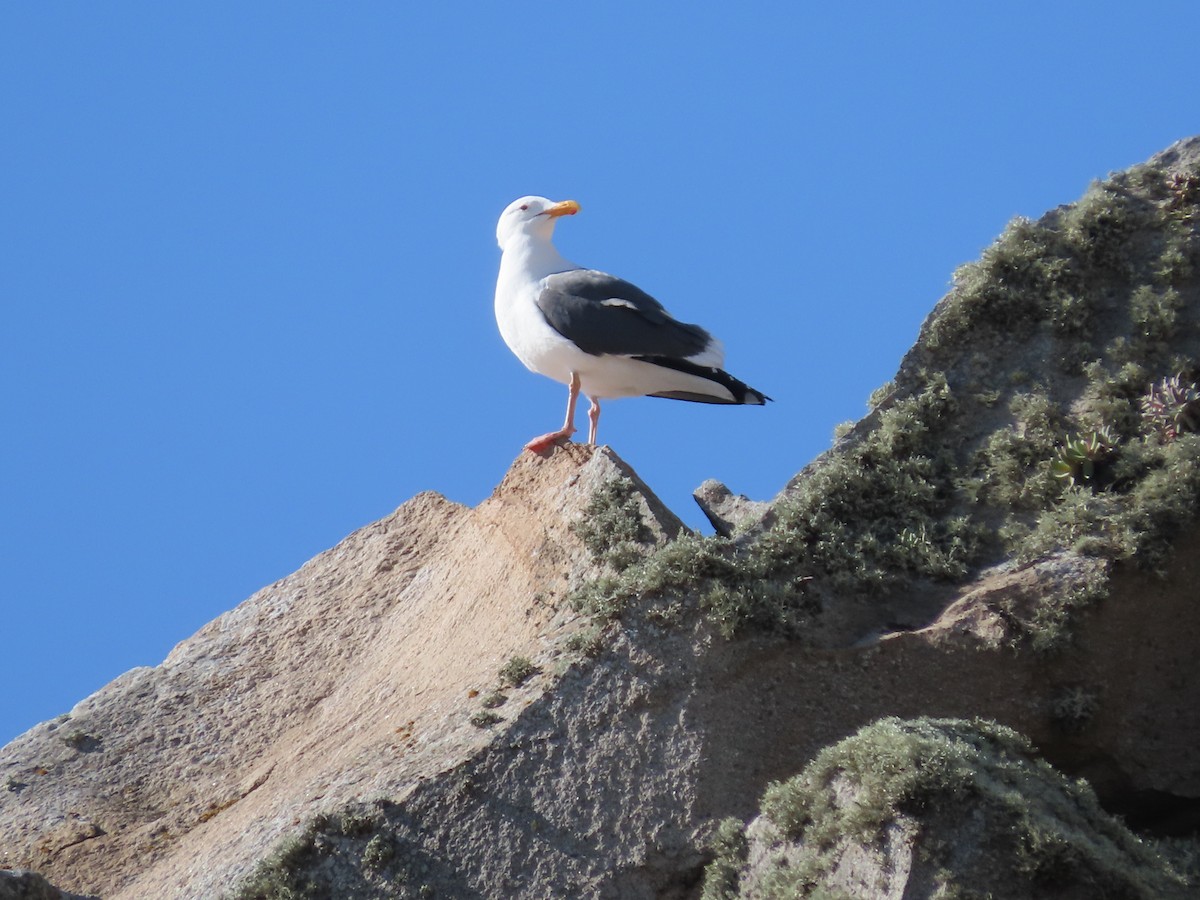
(742, 392)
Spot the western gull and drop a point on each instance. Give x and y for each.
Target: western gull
(598, 334)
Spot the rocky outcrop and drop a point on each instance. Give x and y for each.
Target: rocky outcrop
(926, 808)
(347, 689)
(610, 783)
(562, 692)
(351, 679)
(726, 511)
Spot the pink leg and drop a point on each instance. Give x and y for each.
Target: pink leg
(594, 418)
(546, 441)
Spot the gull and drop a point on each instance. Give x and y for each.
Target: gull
(598, 334)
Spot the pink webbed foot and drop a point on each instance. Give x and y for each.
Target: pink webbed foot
(563, 435)
(544, 442)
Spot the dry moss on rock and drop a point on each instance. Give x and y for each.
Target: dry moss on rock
(870, 518)
(612, 527)
(1049, 405)
(961, 807)
(355, 852)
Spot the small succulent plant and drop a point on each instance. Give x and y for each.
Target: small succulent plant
(1076, 461)
(517, 671)
(1171, 408)
(1185, 190)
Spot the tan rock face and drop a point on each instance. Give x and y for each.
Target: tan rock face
(348, 680)
(354, 679)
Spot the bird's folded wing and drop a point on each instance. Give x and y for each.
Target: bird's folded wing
(601, 314)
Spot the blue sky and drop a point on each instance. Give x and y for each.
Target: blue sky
(249, 255)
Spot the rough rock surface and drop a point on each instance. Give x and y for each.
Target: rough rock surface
(23, 885)
(933, 807)
(347, 680)
(350, 681)
(726, 511)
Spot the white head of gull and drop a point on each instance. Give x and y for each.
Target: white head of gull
(598, 334)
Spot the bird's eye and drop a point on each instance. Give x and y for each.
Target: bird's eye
(524, 206)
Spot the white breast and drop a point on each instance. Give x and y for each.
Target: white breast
(522, 325)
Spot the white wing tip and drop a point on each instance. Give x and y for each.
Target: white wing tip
(712, 355)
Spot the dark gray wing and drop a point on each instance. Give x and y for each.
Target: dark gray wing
(603, 314)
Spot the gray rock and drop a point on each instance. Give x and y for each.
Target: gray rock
(728, 512)
(20, 884)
